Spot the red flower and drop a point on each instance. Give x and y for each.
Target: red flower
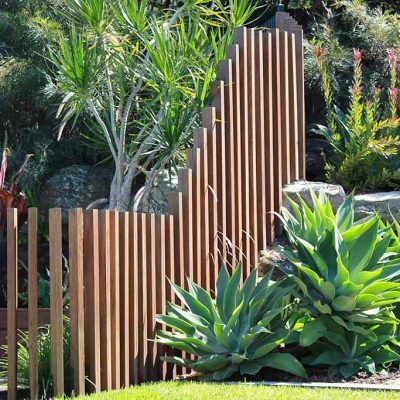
(318, 52)
(393, 93)
(392, 56)
(357, 55)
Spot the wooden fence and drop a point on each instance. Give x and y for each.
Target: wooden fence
(251, 143)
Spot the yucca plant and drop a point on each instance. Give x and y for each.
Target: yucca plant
(343, 268)
(237, 332)
(346, 274)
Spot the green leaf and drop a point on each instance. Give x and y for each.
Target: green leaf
(225, 373)
(284, 362)
(344, 303)
(311, 332)
(209, 363)
(329, 357)
(176, 360)
(250, 368)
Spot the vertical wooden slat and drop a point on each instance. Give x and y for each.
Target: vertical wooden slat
(194, 163)
(56, 301)
(186, 187)
(240, 37)
(151, 295)
(105, 300)
(134, 297)
(253, 217)
(12, 301)
(233, 53)
(218, 102)
(277, 122)
(209, 122)
(293, 102)
(269, 136)
(143, 296)
(284, 111)
(91, 255)
(175, 201)
(124, 240)
(260, 141)
(170, 274)
(200, 143)
(160, 281)
(115, 300)
(226, 74)
(33, 303)
(76, 299)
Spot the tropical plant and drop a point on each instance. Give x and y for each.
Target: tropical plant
(345, 353)
(237, 332)
(142, 74)
(364, 141)
(347, 277)
(44, 360)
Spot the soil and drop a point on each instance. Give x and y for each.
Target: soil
(391, 377)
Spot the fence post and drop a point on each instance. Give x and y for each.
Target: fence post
(56, 301)
(33, 303)
(76, 299)
(12, 300)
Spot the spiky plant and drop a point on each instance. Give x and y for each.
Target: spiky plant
(237, 332)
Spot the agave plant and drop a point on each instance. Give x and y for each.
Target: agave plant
(346, 272)
(343, 268)
(345, 352)
(237, 332)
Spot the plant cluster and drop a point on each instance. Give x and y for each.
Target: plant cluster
(364, 140)
(336, 301)
(140, 76)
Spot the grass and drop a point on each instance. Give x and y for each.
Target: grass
(203, 391)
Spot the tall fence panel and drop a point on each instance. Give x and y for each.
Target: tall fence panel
(250, 145)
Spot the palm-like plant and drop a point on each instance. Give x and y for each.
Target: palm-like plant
(237, 332)
(141, 74)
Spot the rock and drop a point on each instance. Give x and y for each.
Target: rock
(156, 201)
(76, 186)
(384, 203)
(335, 192)
(315, 158)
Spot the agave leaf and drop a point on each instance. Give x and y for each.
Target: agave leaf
(250, 368)
(342, 274)
(222, 282)
(311, 332)
(322, 308)
(192, 303)
(209, 363)
(363, 248)
(175, 323)
(345, 214)
(225, 373)
(344, 303)
(329, 357)
(368, 364)
(203, 297)
(327, 290)
(176, 360)
(284, 362)
(231, 293)
(349, 369)
(349, 289)
(379, 287)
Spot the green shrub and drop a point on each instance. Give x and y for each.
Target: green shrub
(44, 360)
(237, 332)
(364, 141)
(347, 280)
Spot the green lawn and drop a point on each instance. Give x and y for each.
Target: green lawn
(195, 391)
